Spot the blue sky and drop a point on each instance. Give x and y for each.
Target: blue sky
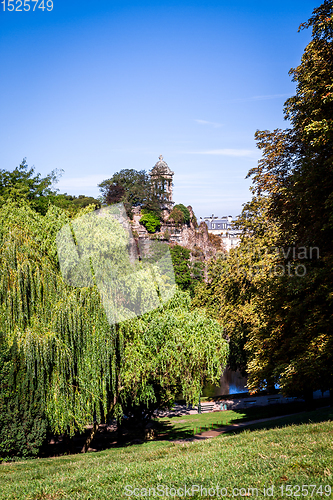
(96, 87)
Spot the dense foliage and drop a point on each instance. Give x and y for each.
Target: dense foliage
(22, 184)
(134, 189)
(187, 273)
(274, 294)
(180, 214)
(64, 364)
(168, 352)
(73, 204)
(150, 221)
(23, 424)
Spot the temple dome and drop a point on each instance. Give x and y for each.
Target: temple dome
(161, 167)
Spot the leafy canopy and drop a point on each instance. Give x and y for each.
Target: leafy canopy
(185, 212)
(187, 274)
(151, 222)
(78, 365)
(134, 189)
(21, 184)
(274, 294)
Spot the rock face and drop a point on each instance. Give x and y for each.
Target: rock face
(193, 223)
(139, 231)
(201, 244)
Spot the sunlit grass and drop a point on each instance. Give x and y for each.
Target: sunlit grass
(188, 425)
(295, 454)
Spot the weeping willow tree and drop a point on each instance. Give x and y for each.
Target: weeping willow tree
(171, 351)
(68, 344)
(84, 366)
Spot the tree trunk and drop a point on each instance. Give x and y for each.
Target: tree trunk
(68, 443)
(90, 438)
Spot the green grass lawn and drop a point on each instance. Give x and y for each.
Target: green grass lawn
(188, 425)
(287, 452)
(185, 426)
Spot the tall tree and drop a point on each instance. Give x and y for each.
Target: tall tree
(285, 260)
(185, 212)
(74, 364)
(134, 183)
(23, 423)
(296, 173)
(167, 352)
(187, 273)
(22, 185)
(133, 188)
(115, 194)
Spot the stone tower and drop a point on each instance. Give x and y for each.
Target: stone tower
(162, 176)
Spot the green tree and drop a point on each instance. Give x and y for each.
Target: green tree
(23, 424)
(187, 274)
(185, 212)
(169, 351)
(181, 264)
(280, 302)
(134, 188)
(296, 173)
(73, 204)
(21, 184)
(236, 283)
(176, 216)
(50, 321)
(135, 185)
(75, 365)
(115, 194)
(151, 222)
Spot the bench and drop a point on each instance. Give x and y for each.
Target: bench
(205, 407)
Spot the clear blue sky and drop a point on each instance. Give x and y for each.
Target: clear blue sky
(95, 87)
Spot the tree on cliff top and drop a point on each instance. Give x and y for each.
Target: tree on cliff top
(132, 188)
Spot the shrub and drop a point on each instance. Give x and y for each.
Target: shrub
(185, 212)
(177, 216)
(150, 222)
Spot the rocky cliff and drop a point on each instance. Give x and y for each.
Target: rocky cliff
(202, 245)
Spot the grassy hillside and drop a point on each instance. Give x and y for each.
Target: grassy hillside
(294, 453)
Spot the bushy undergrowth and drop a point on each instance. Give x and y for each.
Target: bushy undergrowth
(23, 426)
